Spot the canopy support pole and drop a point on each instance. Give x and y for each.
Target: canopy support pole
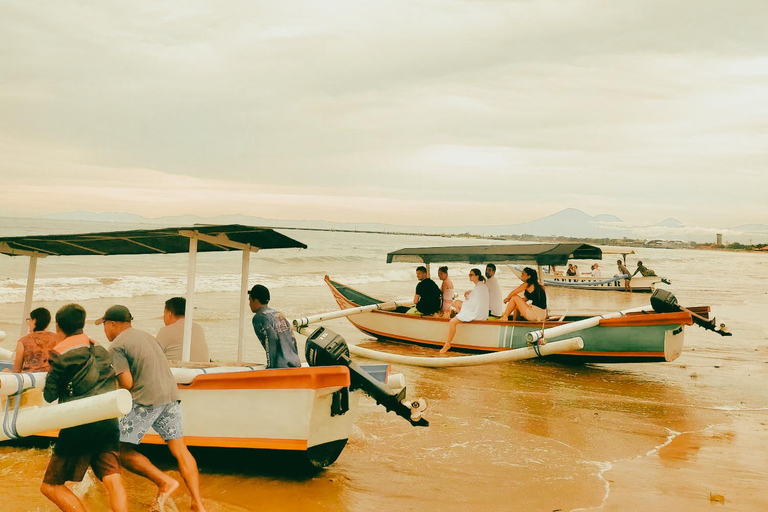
(429, 273)
(189, 312)
(541, 278)
(243, 302)
(28, 296)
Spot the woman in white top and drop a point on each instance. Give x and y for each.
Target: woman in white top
(474, 308)
(447, 288)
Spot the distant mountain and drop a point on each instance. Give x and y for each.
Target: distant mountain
(669, 222)
(98, 217)
(568, 222)
(606, 218)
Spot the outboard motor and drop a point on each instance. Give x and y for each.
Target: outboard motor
(664, 301)
(327, 348)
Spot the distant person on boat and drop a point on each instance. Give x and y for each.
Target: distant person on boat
(576, 271)
(495, 305)
(142, 368)
(446, 288)
(596, 271)
(571, 271)
(171, 336)
(623, 270)
(273, 330)
(644, 271)
(427, 300)
(80, 367)
(32, 351)
(475, 307)
(533, 292)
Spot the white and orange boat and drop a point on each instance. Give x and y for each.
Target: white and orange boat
(233, 405)
(644, 334)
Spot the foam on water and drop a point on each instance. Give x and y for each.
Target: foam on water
(85, 288)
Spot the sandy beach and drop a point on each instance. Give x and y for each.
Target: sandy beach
(542, 436)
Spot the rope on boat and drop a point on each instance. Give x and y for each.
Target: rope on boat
(554, 347)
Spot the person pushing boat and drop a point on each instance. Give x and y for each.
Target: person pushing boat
(80, 367)
(142, 368)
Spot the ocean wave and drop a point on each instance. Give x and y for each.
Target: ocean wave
(84, 288)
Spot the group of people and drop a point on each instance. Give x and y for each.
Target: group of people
(80, 367)
(483, 302)
(623, 270)
(573, 271)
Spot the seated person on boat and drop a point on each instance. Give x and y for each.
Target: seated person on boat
(171, 336)
(427, 298)
(446, 289)
(571, 271)
(495, 305)
(32, 351)
(596, 271)
(474, 308)
(644, 271)
(273, 330)
(518, 306)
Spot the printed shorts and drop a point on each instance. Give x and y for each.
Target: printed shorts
(164, 418)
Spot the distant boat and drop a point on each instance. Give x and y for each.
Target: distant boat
(613, 282)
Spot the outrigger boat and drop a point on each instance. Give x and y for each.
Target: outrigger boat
(615, 283)
(233, 405)
(639, 335)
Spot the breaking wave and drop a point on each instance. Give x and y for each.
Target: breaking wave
(85, 288)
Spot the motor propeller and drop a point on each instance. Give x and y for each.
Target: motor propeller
(327, 348)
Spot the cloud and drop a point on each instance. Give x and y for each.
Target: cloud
(630, 108)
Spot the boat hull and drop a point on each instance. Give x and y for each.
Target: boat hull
(638, 337)
(294, 409)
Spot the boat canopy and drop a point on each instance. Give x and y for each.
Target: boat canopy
(541, 254)
(191, 240)
(232, 237)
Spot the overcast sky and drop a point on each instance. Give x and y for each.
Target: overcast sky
(413, 112)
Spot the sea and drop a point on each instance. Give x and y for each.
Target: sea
(537, 435)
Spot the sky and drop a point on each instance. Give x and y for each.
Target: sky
(404, 112)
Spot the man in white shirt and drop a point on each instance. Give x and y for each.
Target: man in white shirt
(494, 291)
(171, 336)
(596, 271)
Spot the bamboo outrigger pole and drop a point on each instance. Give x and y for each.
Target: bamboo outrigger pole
(562, 330)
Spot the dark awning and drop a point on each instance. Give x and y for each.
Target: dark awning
(541, 254)
(232, 237)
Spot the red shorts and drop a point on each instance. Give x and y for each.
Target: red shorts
(93, 445)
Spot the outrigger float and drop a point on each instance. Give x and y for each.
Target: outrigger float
(232, 405)
(613, 283)
(645, 334)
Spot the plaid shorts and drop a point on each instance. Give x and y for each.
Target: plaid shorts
(164, 418)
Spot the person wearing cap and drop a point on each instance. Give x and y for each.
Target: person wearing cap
(80, 367)
(171, 336)
(142, 368)
(273, 330)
